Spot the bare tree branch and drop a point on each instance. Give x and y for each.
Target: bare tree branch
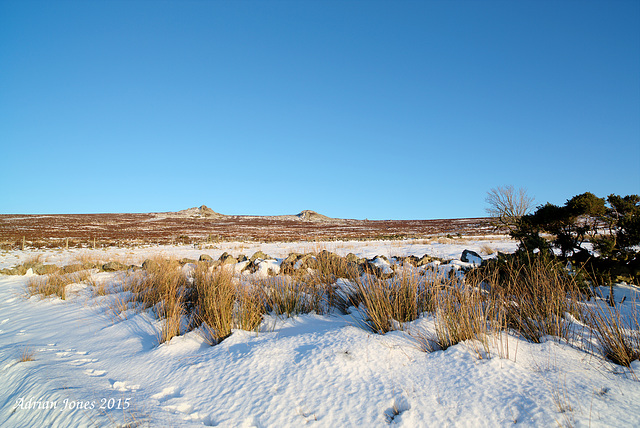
(507, 205)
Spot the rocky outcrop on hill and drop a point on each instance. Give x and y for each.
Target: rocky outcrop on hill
(202, 211)
(309, 215)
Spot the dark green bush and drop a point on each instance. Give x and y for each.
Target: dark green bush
(611, 226)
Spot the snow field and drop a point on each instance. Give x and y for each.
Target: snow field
(305, 370)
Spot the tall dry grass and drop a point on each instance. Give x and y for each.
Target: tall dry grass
(54, 284)
(290, 296)
(249, 309)
(329, 267)
(320, 283)
(529, 295)
(208, 299)
(386, 302)
(163, 288)
(533, 293)
(213, 302)
(618, 336)
(462, 314)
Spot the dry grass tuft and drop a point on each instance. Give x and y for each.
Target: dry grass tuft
(487, 249)
(249, 309)
(213, 302)
(53, 284)
(530, 296)
(619, 341)
(27, 354)
(560, 397)
(163, 289)
(208, 299)
(99, 287)
(34, 259)
(330, 267)
(118, 307)
(288, 296)
(463, 313)
(387, 302)
(533, 295)
(87, 258)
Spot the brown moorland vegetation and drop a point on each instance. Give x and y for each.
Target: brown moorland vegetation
(75, 230)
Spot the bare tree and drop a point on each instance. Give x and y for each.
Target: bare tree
(507, 205)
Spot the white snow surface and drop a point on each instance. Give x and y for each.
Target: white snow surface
(90, 369)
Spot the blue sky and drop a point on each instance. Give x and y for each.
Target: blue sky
(355, 109)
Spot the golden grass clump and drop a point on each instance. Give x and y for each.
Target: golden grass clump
(387, 302)
(285, 295)
(27, 354)
(207, 298)
(34, 259)
(54, 284)
(99, 288)
(249, 309)
(213, 302)
(528, 294)
(463, 313)
(162, 288)
(487, 249)
(329, 267)
(534, 293)
(619, 340)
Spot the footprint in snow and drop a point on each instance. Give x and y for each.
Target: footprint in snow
(124, 386)
(167, 393)
(251, 422)
(181, 408)
(94, 373)
(68, 352)
(4, 321)
(172, 392)
(82, 361)
(205, 420)
(392, 414)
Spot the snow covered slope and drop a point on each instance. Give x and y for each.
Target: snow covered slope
(90, 368)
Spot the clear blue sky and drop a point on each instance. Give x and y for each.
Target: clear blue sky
(354, 109)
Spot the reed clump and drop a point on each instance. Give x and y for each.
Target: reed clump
(618, 336)
(385, 302)
(534, 293)
(54, 284)
(213, 300)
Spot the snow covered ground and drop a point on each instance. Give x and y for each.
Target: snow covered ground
(90, 369)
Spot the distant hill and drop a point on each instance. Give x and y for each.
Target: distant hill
(205, 212)
(313, 216)
(202, 211)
